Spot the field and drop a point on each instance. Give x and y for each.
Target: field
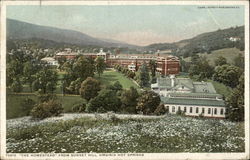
(79, 133)
(109, 77)
(228, 53)
(14, 109)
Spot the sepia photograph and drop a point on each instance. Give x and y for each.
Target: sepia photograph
(124, 80)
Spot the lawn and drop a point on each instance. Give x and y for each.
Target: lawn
(228, 53)
(109, 77)
(221, 88)
(14, 109)
(142, 134)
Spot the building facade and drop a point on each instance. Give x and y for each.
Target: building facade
(192, 98)
(166, 64)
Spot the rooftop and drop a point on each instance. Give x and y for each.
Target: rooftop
(195, 102)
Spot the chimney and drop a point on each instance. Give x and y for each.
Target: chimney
(172, 77)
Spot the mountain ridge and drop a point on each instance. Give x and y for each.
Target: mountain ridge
(23, 30)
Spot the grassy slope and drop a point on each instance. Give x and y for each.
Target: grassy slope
(13, 107)
(221, 88)
(109, 77)
(228, 53)
(14, 110)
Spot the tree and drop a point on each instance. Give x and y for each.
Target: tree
(46, 80)
(16, 86)
(61, 61)
(129, 100)
(228, 75)
(152, 66)
(90, 88)
(82, 69)
(13, 71)
(160, 110)
(26, 105)
(130, 74)
(200, 68)
(148, 102)
(28, 71)
(74, 86)
(115, 87)
(100, 65)
(144, 76)
(107, 100)
(239, 61)
(220, 61)
(235, 102)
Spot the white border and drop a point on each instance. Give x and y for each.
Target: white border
(149, 156)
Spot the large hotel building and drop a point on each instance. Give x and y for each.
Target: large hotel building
(166, 64)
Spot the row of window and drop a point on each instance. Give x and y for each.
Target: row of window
(197, 110)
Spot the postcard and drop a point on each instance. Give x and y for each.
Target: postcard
(124, 80)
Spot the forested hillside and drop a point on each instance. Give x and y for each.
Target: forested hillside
(205, 43)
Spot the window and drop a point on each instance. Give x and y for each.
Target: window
(215, 111)
(221, 111)
(191, 110)
(203, 110)
(167, 109)
(209, 111)
(185, 109)
(197, 110)
(173, 109)
(179, 108)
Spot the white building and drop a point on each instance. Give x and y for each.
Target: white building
(234, 39)
(50, 61)
(102, 54)
(132, 67)
(192, 98)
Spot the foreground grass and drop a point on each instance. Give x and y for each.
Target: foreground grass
(14, 109)
(121, 135)
(109, 77)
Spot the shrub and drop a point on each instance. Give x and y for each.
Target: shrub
(46, 97)
(26, 105)
(148, 102)
(160, 110)
(80, 107)
(46, 109)
(107, 99)
(179, 112)
(16, 86)
(101, 110)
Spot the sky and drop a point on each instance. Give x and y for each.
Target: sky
(139, 25)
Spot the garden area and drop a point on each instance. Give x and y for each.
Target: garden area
(107, 133)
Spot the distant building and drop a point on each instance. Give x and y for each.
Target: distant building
(166, 64)
(50, 61)
(193, 98)
(234, 39)
(132, 67)
(67, 53)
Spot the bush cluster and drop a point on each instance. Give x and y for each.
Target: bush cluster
(125, 71)
(46, 109)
